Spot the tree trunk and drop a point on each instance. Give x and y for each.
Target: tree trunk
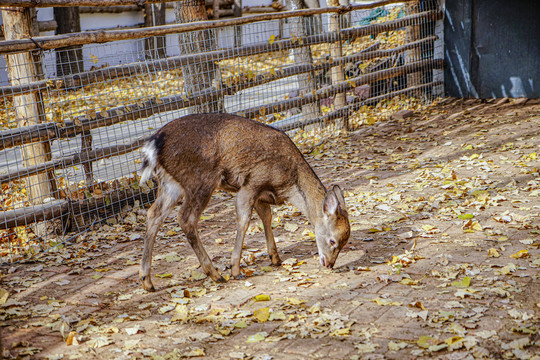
(205, 74)
(154, 15)
(29, 110)
(69, 59)
(302, 56)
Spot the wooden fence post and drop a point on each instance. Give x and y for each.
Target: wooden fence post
(413, 55)
(29, 108)
(154, 15)
(69, 59)
(302, 56)
(203, 75)
(336, 52)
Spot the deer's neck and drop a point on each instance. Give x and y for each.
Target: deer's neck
(308, 196)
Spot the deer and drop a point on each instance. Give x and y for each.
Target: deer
(195, 155)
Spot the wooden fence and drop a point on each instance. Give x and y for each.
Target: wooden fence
(31, 129)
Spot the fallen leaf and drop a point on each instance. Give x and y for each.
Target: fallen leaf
(426, 341)
(520, 254)
(464, 283)
(262, 314)
(4, 294)
(260, 336)
(262, 297)
(99, 342)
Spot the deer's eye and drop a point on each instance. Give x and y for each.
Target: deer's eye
(332, 242)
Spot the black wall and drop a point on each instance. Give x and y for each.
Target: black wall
(492, 48)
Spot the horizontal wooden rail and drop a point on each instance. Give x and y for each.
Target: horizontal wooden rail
(65, 3)
(31, 214)
(92, 208)
(116, 71)
(284, 105)
(99, 36)
(51, 131)
(76, 159)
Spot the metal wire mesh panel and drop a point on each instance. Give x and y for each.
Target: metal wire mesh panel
(73, 118)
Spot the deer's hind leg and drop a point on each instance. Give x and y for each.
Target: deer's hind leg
(167, 196)
(188, 218)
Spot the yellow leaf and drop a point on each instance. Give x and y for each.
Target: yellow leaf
(272, 39)
(70, 340)
(103, 269)
(194, 353)
(94, 59)
(295, 301)
(426, 341)
(181, 313)
(262, 314)
(520, 254)
(493, 253)
(262, 297)
(408, 281)
(4, 294)
(453, 340)
(466, 282)
(163, 276)
(277, 315)
(170, 233)
(260, 336)
(240, 324)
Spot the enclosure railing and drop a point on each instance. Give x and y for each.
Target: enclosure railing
(292, 69)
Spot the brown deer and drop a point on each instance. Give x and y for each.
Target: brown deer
(196, 154)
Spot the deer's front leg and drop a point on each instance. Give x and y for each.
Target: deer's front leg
(244, 206)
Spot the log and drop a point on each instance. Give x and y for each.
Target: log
(50, 131)
(68, 3)
(258, 9)
(37, 213)
(90, 37)
(86, 212)
(126, 8)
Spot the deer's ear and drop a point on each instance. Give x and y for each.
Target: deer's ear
(339, 195)
(330, 203)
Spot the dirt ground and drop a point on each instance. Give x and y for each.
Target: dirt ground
(442, 262)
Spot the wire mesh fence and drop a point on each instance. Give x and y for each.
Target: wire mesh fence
(73, 118)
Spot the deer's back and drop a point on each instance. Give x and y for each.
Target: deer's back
(229, 151)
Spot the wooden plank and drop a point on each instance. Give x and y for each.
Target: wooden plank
(93, 37)
(284, 105)
(50, 131)
(36, 213)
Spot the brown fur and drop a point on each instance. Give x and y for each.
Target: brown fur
(198, 154)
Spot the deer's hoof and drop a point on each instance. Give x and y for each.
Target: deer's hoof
(240, 276)
(147, 284)
(275, 260)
